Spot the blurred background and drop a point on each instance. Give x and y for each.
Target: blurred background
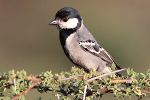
(28, 42)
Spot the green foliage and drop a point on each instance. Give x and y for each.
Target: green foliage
(71, 85)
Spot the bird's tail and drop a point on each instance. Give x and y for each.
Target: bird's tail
(118, 67)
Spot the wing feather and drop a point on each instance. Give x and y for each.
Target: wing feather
(92, 47)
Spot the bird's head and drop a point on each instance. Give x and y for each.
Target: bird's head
(67, 18)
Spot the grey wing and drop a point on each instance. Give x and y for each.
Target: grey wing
(95, 49)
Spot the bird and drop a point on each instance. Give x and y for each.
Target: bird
(79, 44)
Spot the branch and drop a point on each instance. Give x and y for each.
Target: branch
(76, 83)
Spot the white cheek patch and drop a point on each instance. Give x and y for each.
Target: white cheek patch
(71, 23)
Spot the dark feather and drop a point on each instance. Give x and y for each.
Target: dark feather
(95, 49)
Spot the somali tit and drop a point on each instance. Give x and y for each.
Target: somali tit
(79, 44)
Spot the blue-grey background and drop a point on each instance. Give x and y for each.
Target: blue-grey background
(27, 42)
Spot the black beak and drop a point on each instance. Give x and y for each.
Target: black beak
(54, 22)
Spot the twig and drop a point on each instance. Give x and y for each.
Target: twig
(58, 97)
(104, 91)
(89, 80)
(123, 81)
(35, 82)
(85, 88)
(70, 78)
(15, 85)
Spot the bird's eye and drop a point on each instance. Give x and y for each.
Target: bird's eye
(65, 19)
